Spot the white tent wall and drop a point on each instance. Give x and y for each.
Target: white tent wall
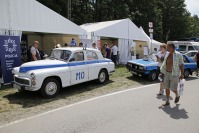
(123, 28)
(151, 42)
(124, 46)
(31, 16)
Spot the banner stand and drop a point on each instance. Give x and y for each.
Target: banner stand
(10, 56)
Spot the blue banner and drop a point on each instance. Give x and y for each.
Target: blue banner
(10, 56)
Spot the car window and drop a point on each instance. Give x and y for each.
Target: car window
(193, 54)
(56, 54)
(185, 59)
(190, 48)
(65, 55)
(78, 56)
(196, 47)
(91, 55)
(182, 48)
(189, 54)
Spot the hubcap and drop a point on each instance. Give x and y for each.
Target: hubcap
(186, 74)
(102, 77)
(51, 88)
(153, 76)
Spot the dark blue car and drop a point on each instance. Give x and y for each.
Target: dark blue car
(148, 67)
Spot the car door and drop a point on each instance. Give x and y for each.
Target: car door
(93, 64)
(78, 68)
(189, 64)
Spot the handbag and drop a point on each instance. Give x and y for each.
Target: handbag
(181, 87)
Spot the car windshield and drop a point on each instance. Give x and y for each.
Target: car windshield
(60, 55)
(151, 56)
(196, 47)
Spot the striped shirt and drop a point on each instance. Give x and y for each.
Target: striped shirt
(177, 62)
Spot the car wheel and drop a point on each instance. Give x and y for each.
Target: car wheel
(186, 73)
(50, 88)
(102, 76)
(152, 76)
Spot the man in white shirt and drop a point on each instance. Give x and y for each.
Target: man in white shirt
(114, 53)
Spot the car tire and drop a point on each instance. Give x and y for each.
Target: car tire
(102, 76)
(186, 73)
(50, 88)
(152, 76)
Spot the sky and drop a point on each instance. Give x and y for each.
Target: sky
(193, 6)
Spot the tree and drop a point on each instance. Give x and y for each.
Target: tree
(170, 17)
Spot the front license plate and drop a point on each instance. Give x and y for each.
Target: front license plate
(134, 73)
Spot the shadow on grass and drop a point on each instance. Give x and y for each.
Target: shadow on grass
(30, 99)
(142, 80)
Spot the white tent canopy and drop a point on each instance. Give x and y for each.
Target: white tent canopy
(123, 28)
(31, 16)
(154, 43)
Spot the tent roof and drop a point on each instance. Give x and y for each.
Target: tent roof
(123, 28)
(31, 16)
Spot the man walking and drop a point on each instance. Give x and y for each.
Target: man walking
(34, 53)
(114, 53)
(173, 69)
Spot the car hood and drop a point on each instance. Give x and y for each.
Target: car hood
(143, 62)
(42, 64)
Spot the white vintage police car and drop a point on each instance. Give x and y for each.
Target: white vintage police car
(64, 67)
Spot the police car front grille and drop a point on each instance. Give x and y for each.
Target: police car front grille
(21, 81)
(133, 66)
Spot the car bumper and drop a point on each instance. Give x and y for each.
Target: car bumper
(137, 71)
(24, 87)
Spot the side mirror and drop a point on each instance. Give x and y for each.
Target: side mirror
(72, 59)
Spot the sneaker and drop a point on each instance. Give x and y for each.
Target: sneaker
(166, 104)
(177, 99)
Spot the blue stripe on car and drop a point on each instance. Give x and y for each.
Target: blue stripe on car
(26, 69)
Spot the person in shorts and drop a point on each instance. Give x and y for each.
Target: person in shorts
(173, 69)
(160, 58)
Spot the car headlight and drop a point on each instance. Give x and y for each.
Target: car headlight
(141, 68)
(32, 75)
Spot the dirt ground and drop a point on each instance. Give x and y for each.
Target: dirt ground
(15, 106)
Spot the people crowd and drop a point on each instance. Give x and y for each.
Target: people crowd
(109, 52)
